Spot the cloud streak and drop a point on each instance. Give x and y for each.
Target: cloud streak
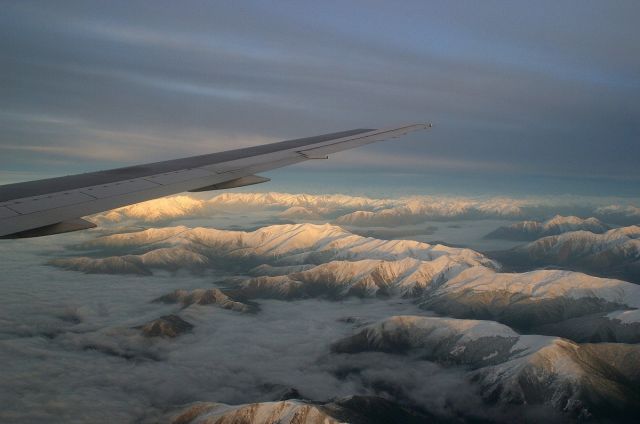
(501, 94)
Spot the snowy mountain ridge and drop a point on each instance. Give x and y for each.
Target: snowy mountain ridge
(531, 230)
(306, 261)
(281, 244)
(509, 368)
(613, 253)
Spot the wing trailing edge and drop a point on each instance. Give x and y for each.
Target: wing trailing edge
(57, 228)
(238, 182)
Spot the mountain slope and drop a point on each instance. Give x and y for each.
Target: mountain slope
(198, 248)
(529, 299)
(613, 327)
(306, 261)
(353, 409)
(615, 253)
(419, 209)
(166, 326)
(406, 277)
(532, 230)
(206, 297)
(510, 368)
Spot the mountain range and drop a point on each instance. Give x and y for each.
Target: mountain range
(172, 248)
(309, 261)
(359, 211)
(547, 338)
(579, 379)
(615, 253)
(352, 409)
(532, 230)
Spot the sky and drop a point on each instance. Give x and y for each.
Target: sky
(545, 90)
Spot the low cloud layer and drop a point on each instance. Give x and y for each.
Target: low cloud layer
(101, 369)
(205, 317)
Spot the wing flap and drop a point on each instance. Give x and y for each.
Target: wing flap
(238, 182)
(57, 228)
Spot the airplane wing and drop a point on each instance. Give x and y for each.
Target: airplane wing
(57, 205)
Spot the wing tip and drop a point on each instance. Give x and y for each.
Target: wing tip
(416, 127)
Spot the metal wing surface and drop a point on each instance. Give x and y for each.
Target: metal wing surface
(57, 205)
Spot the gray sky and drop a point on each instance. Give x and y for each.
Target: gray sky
(551, 88)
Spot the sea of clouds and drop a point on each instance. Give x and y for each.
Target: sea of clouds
(71, 353)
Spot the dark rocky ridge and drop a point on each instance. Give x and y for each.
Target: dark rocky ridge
(166, 326)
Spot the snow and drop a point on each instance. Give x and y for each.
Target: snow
(557, 225)
(563, 224)
(625, 210)
(158, 210)
(404, 277)
(405, 267)
(585, 242)
(545, 284)
(425, 330)
(301, 212)
(283, 412)
(359, 210)
(289, 244)
(625, 317)
(517, 369)
(420, 208)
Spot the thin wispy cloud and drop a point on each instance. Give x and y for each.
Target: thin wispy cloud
(549, 93)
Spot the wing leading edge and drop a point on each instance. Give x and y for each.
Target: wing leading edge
(56, 205)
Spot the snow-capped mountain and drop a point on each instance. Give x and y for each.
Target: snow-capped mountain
(159, 210)
(206, 297)
(361, 211)
(163, 258)
(301, 212)
(284, 412)
(444, 340)
(406, 277)
(307, 261)
(579, 380)
(532, 230)
(613, 327)
(296, 205)
(623, 214)
(510, 368)
(352, 409)
(524, 301)
(613, 253)
(527, 300)
(196, 248)
(288, 200)
(419, 209)
(166, 326)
